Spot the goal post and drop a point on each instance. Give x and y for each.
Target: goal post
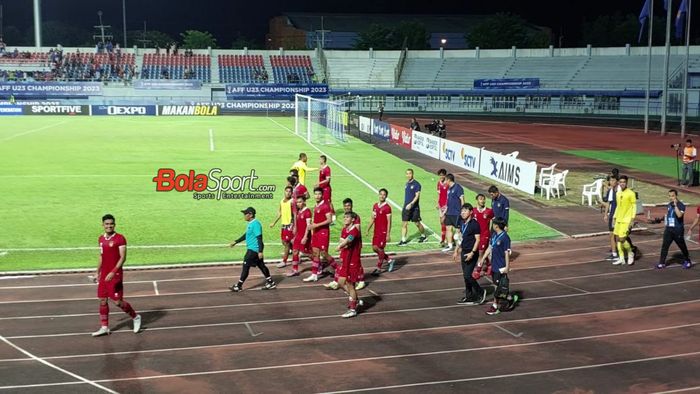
(320, 121)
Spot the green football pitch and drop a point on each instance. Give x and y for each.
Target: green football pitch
(61, 174)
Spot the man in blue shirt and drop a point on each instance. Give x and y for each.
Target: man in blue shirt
(411, 209)
(499, 204)
(455, 201)
(673, 232)
(254, 251)
(499, 252)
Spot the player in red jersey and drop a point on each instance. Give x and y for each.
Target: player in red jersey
(324, 182)
(320, 236)
(297, 188)
(483, 216)
(302, 234)
(350, 248)
(110, 276)
(381, 220)
(286, 213)
(442, 188)
(360, 284)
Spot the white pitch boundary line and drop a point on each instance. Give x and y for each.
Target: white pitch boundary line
(211, 140)
(321, 299)
(48, 364)
(434, 353)
(297, 319)
(32, 131)
(374, 189)
(365, 334)
(696, 388)
(512, 375)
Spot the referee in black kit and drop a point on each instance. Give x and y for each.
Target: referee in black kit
(468, 252)
(254, 251)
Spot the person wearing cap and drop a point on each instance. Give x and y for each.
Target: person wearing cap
(254, 253)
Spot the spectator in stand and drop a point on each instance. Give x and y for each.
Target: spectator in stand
(174, 49)
(157, 49)
(414, 124)
(167, 50)
(441, 129)
(109, 46)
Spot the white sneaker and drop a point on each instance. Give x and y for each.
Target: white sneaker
(311, 278)
(104, 330)
(349, 313)
(331, 286)
(630, 259)
(360, 285)
(619, 261)
(282, 264)
(360, 303)
(447, 249)
(137, 324)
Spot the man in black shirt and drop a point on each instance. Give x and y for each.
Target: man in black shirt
(468, 254)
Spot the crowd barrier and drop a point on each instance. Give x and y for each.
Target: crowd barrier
(498, 167)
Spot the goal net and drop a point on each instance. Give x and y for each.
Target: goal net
(320, 121)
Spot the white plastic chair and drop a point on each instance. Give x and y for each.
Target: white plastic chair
(594, 189)
(551, 185)
(545, 175)
(562, 181)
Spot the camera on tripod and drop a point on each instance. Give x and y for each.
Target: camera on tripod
(675, 146)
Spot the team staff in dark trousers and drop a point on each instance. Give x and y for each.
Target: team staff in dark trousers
(499, 252)
(673, 232)
(468, 254)
(499, 204)
(254, 253)
(455, 204)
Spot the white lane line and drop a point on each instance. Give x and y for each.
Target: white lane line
(155, 287)
(320, 317)
(32, 131)
(48, 364)
(696, 389)
(346, 336)
(518, 335)
(570, 287)
(250, 330)
(442, 352)
(513, 375)
(319, 299)
(374, 189)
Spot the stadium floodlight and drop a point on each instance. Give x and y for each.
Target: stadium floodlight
(320, 121)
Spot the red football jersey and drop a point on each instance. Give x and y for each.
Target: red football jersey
(301, 218)
(109, 252)
(381, 219)
(483, 218)
(298, 191)
(442, 189)
(350, 254)
(320, 212)
(323, 174)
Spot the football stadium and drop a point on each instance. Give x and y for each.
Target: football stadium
(391, 202)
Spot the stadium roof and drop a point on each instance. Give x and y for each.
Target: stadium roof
(359, 22)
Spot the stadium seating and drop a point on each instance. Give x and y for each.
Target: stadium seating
(292, 69)
(452, 72)
(175, 67)
(623, 72)
(82, 65)
(21, 58)
(362, 73)
(242, 69)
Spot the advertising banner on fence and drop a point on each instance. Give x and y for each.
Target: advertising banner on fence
(381, 130)
(188, 110)
(6, 110)
(50, 89)
(233, 107)
(460, 155)
(274, 91)
(507, 170)
(401, 136)
(124, 110)
(57, 110)
(167, 84)
(426, 144)
(507, 83)
(365, 125)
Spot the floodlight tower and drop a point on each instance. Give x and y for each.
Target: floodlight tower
(37, 23)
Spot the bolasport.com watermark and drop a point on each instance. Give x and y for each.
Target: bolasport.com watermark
(213, 185)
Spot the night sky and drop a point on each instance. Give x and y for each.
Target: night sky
(228, 18)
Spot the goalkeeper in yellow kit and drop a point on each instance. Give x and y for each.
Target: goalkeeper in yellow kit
(624, 220)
